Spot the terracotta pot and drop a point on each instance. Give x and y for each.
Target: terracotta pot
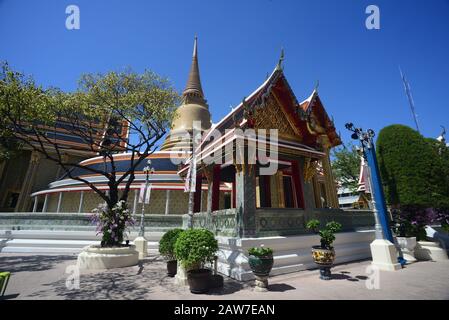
(172, 267)
(261, 266)
(199, 280)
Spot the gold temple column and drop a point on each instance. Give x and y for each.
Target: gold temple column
(331, 188)
(316, 192)
(277, 190)
(274, 185)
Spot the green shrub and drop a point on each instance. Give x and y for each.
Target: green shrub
(327, 234)
(414, 169)
(195, 247)
(167, 243)
(260, 251)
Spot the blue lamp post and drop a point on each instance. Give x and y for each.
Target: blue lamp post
(380, 207)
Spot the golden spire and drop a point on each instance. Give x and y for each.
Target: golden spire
(193, 108)
(193, 86)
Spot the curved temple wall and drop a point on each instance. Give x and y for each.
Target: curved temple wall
(178, 202)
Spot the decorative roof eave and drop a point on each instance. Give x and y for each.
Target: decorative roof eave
(310, 106)
(231, 136)
(256, 97)
(306, 103)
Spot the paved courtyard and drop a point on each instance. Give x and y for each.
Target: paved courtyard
(44, 277)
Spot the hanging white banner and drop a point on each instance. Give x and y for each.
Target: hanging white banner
(142, 193)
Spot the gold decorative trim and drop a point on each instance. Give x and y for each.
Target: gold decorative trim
(271, 116)
(310, 169)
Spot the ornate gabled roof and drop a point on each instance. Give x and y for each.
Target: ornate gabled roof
(306, 103)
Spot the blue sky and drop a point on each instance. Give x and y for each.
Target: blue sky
(239, 43)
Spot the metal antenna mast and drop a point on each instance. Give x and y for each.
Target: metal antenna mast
(409, 97)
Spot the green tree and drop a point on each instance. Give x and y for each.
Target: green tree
(411, 168)
(95, 113)
(346, 165)
(442, 153)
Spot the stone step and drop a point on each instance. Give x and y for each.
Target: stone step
(67, 235)
(48, 243)
(50, 250)
(54, 246)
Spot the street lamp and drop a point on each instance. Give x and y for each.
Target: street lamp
(383, 251)
(383, 230)
(147, 170)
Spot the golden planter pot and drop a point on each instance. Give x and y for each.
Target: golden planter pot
(323, 256)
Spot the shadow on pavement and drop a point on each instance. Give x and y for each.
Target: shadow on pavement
(280, 287)
(20, 263)
(9, 296)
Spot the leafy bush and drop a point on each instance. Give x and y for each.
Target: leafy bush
(260, 251)
(167, 243)
(327, 234)
(195, 247)
(414, 169)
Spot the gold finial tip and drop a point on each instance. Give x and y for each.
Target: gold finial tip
(195, 50)
(281, 59)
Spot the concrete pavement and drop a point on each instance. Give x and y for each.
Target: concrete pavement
(44, 277)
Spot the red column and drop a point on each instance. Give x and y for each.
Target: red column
(216, 188)
(297, 183)
(197, 196)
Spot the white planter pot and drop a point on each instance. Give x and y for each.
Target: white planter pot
(428, 250)
(96, 257)
(407, 246)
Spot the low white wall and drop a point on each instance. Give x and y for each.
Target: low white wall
(291, 253)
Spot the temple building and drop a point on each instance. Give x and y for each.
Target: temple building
(304, 178)
(225, 164)
(28, 171)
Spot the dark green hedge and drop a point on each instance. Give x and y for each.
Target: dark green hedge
(413, 170)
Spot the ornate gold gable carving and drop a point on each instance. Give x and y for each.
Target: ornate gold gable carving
(310, 169)
(271, 116)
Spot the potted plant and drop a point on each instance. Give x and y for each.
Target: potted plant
(324, 254)
(194, 248)
(167, 248)
(261, 262)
